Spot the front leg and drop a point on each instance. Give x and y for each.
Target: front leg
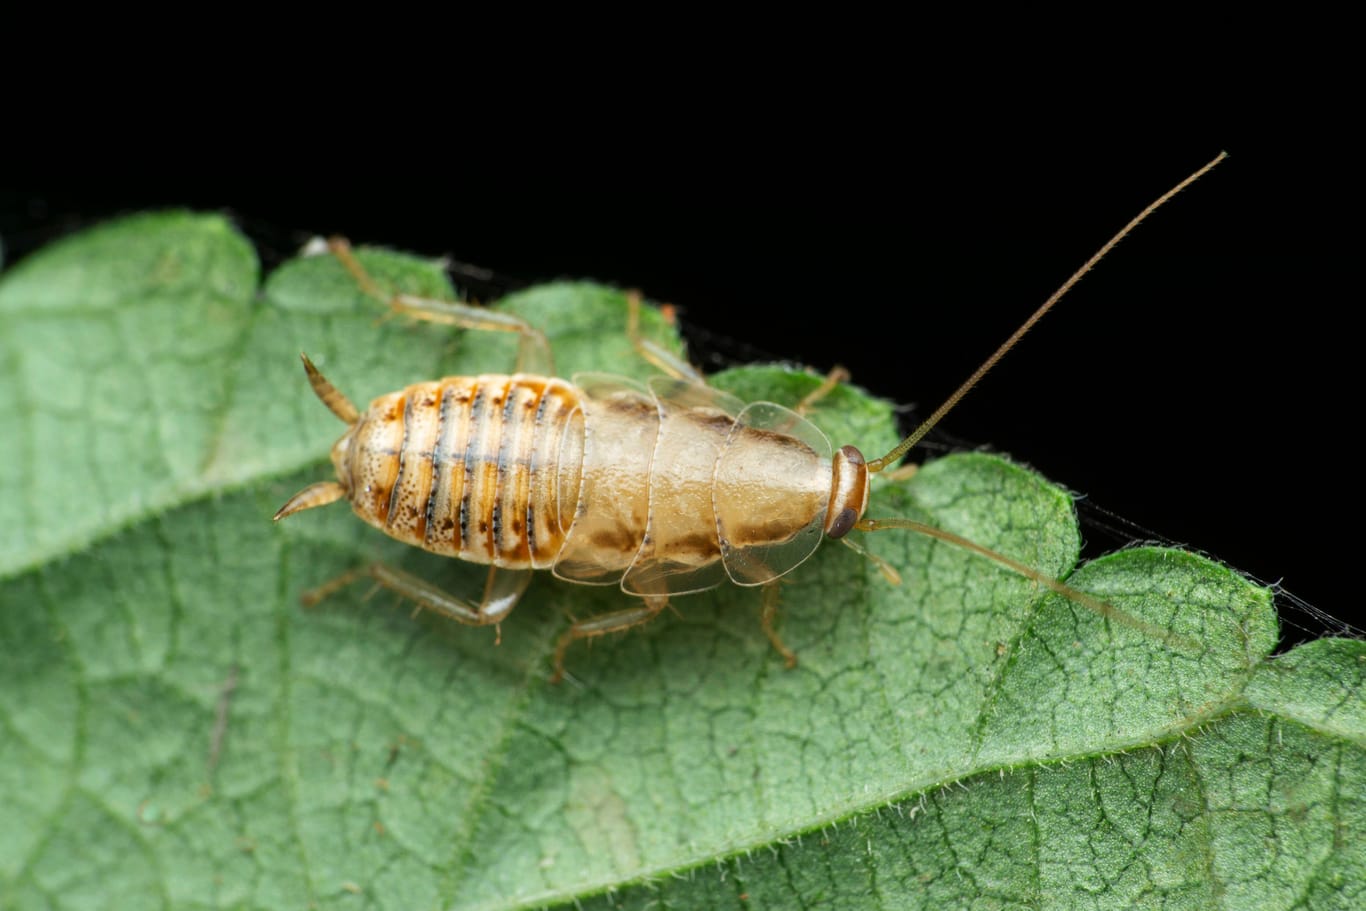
(771, 597)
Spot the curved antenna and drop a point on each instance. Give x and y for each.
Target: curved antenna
(928, 423)
(311, 497)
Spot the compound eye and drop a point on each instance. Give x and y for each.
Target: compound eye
(842, 524)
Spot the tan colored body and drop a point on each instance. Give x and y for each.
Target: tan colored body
(659, 490)
(664, 490)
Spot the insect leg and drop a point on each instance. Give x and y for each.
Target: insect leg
(503, 590)
(888, 570)
(902, 472)
(667, 361)
(602, 624)
(832, 379)
(501, 593)
(533, 349)
(771, 598)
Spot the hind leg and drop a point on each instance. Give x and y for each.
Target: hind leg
(533, 349)
(666, 361)
(502, 591)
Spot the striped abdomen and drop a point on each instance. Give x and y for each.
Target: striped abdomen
(483, 468)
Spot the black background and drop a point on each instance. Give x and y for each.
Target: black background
(1200, 383)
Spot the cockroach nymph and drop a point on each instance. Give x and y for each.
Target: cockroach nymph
(667, 488)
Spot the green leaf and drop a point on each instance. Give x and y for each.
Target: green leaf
(175, 731)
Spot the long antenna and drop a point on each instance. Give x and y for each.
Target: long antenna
(928, 424)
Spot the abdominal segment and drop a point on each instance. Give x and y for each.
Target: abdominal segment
(470, 467)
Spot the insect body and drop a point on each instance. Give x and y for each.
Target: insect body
(663, 489)
(604, 483)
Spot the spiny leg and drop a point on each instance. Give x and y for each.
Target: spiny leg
(771, 598)
(667, 361)
(501, 593)
(616, 621)
(533, 349)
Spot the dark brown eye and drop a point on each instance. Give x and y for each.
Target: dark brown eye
(843, 522)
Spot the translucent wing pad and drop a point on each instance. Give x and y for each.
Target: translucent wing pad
(621, 427)
(771, 490)
(681, 552)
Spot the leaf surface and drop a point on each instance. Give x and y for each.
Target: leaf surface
(175, 731)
